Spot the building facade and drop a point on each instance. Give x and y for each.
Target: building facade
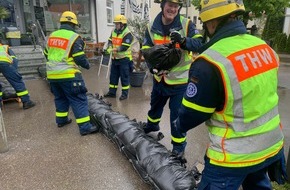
(286, 28)
(95, 16)
(46, 13)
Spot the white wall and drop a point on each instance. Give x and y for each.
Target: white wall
(103, 29)
(286, 28)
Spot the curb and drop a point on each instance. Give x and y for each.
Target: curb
(284, 64)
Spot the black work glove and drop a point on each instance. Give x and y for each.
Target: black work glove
(277, 171)
(177, 38)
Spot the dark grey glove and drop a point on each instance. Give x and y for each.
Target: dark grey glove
(277, 171)
(177, 38)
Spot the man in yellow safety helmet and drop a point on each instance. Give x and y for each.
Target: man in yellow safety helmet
(170, 27)
(65, 53)
(119, 44)
(232, 87)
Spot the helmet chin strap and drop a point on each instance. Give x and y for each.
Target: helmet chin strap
(222, 22)
(206, 33)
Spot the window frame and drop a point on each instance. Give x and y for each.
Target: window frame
(108, 10)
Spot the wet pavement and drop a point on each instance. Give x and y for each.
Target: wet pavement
(42, 156)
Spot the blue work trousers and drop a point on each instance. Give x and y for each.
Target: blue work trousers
(224, 178)
(120, 68)
(10, 72)
(160, 94)
(71, 93)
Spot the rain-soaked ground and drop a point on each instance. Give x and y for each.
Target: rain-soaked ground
(42, 156)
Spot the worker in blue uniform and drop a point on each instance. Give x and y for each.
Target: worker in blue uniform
(119, 44)
(170, 85)
(65, 53)
(232, 87)
(8, 67)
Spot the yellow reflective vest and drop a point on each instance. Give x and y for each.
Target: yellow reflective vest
(179, 73)
(117, 40)
(60, 64)
(4, 56)
(247, 131)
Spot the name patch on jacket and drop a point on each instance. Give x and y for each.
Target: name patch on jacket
(58, 42)
(253, 61)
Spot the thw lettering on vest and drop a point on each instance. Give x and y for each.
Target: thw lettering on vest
(58, 42)
(117, 41)
(253, 61)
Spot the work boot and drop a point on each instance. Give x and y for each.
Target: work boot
(152, 128)
(110, 95)
(65, 123)
(29, 104)
(180, 156)
(123, 97)
(91, 130)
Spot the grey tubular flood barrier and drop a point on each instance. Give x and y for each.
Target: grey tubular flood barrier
(155, 164)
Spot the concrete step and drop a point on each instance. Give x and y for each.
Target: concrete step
(29, 59)
(284, 58)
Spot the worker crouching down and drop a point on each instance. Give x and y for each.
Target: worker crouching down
(8, 67)
(64, 52)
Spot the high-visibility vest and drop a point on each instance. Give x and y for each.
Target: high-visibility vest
(60, 64)
(117, 40)
(247, 131)
(179, 73)
(4, 56)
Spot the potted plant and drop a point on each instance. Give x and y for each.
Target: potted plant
(138, 26)
(4, 13)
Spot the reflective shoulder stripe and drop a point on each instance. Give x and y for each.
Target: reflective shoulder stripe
(194, 106)
(184, 23)
(149, 31)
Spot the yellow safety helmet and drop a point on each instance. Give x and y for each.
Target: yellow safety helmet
(120, 18)
(211, 9)
(172, 1)
(69, 16)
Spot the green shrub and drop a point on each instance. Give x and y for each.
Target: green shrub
(276, 41)
(286, 186)
(273, 26)
(282, 42)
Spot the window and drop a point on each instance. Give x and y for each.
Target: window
(54, 9)
(110, 12)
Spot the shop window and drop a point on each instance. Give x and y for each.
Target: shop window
(80, 7)
(110, 12)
